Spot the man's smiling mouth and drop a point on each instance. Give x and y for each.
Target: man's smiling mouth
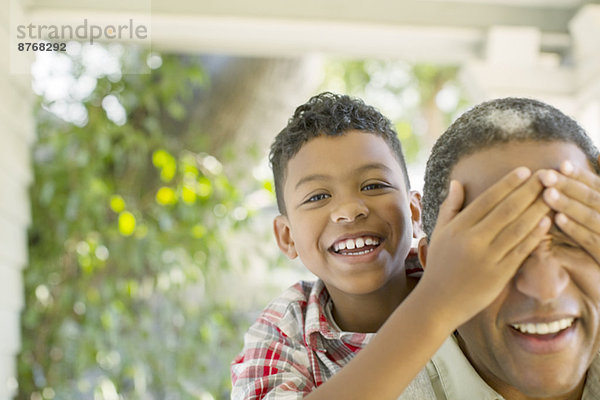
(546, 337)
(356, 246)
(544, 328)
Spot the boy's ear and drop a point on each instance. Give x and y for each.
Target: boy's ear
(422, 251)
(415, 210)
(283, 235)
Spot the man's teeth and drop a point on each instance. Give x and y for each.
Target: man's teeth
(357, 243)
(545, 328)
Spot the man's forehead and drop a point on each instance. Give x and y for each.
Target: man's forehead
(481, 169)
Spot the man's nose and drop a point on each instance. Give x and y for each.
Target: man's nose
(349, 210)
(542, 276)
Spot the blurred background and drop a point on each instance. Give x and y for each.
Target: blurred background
(136, 208)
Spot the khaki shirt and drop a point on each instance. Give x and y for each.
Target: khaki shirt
(450, 376)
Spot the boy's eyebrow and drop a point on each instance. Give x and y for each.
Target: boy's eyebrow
(308, 178)
(361, 169)
(375, 165)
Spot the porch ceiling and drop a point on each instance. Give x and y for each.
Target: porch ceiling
(424, 30)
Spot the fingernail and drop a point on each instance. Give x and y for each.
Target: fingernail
(561, 219)
(566, 167)
(523, 172)
(549, 178)
(544, 222)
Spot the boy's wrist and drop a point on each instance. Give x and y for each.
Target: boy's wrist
(438, 305)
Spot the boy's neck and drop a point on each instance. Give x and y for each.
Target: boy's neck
(367, 313)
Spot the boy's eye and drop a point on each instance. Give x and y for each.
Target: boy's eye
(317, 197)
(374, 186)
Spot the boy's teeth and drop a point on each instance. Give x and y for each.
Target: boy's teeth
(545, 328)
(357, 243)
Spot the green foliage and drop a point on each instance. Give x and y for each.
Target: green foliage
(126, 243)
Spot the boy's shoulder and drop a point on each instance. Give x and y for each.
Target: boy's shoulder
(295, 300)
(297, 310)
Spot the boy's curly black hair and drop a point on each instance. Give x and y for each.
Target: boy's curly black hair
(333, 115)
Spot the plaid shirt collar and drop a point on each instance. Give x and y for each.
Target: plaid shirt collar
(320, 327)
(319, 332)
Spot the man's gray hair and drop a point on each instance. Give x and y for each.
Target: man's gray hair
(489, 124)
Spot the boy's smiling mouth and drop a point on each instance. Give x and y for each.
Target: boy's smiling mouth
(356, 246)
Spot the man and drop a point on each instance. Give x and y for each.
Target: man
(540, 337)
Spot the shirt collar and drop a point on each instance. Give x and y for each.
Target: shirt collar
(320, 326)
(459, 380)
(592, 382)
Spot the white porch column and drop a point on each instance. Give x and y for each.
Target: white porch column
(513, 65)
(16, 136)
(585, 31)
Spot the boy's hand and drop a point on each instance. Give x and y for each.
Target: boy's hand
(575, 196)
(475, 252)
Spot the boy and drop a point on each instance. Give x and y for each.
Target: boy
(347, 212)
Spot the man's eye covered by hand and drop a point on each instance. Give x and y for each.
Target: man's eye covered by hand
(496, 230)
(574, 194)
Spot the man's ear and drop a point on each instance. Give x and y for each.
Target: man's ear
(283, 235)
(422, 251)
(415, 211)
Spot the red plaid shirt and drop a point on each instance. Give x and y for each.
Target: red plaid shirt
(293, 347)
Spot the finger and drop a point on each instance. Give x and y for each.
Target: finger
(517, 255)
(518, 229)
(579, 211)
(493, 195)
(452, 204)
(510, 208)
(590, 241)
(588, 177)
(582, 190)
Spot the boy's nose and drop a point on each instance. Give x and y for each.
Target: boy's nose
(542, 276)
(349, 211)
